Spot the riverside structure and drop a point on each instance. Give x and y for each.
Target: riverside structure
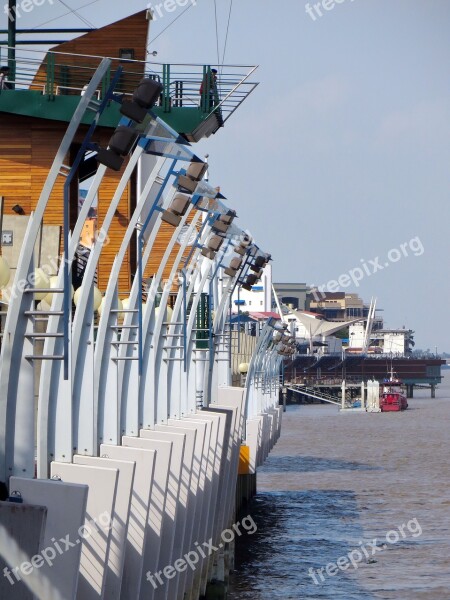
(124, 446)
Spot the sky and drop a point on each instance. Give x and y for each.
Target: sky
(339, 162)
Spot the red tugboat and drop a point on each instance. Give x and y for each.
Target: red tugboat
(393, 396)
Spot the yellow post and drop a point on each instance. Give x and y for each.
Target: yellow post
(244, 460)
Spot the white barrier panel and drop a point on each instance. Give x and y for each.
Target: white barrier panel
(206, 518)
(187, 496)
(176, 499)
(119, 522)
(25, 524)
(226, 482)
(102, 485)
(141, 525)
(161, 506)
(219, 517)
(253, 441)
(273, 426)
(234, 398)
(195, 435)
(66, 511)
(280, 421)
(197, 491)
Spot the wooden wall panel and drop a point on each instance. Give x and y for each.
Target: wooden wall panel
(129, 33)
(116, 232)
(162, 240)
(27, 149)
(15, 173)
(46, 138)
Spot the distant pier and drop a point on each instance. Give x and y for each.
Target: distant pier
(325, 375)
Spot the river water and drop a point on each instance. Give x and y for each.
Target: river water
(332, 485)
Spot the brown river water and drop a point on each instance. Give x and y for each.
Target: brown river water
(332, 485)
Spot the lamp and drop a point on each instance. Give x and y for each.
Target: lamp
(5, 272)
(40, 281)
(53, 285)
(97, 297)
(260, 262)
(167, 314)
(249, 282)
(176, 210)
(197, 170)
(233, 267)
(277, 335)
(239, 250)
(213, 245)
(243, 368)
(220, 226)
(244, 243)
(229, 217)
(102, 306)
(194, 174)
(144, 97)
(120, 145)
(185, 184)
(18, 209)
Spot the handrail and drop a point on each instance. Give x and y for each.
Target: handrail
(53, 74)
(129, 60)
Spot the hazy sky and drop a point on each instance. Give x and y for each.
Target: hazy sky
(343, 152)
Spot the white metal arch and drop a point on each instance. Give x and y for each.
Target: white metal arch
(17, 414)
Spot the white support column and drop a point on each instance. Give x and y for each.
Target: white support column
(343, 391)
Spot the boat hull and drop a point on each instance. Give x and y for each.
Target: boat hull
(393, 403)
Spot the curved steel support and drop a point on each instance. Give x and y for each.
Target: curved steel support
(211, 374)
(153, 348)
(181, 373)
(129, 354)
(106, 363)
(57, 436)
(251, 407)
(86, 394)
(17, 413)
(52, 382)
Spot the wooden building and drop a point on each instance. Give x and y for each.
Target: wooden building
(29, 142)
(34, 116)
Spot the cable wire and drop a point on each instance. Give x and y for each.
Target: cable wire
(217, 33)
(226, 37)
(170, 24)
(64, 15)
(77, 14)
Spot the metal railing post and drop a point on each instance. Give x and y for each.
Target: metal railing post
(12, 34)
(166, 86)
(106, 83)
(50, 91)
